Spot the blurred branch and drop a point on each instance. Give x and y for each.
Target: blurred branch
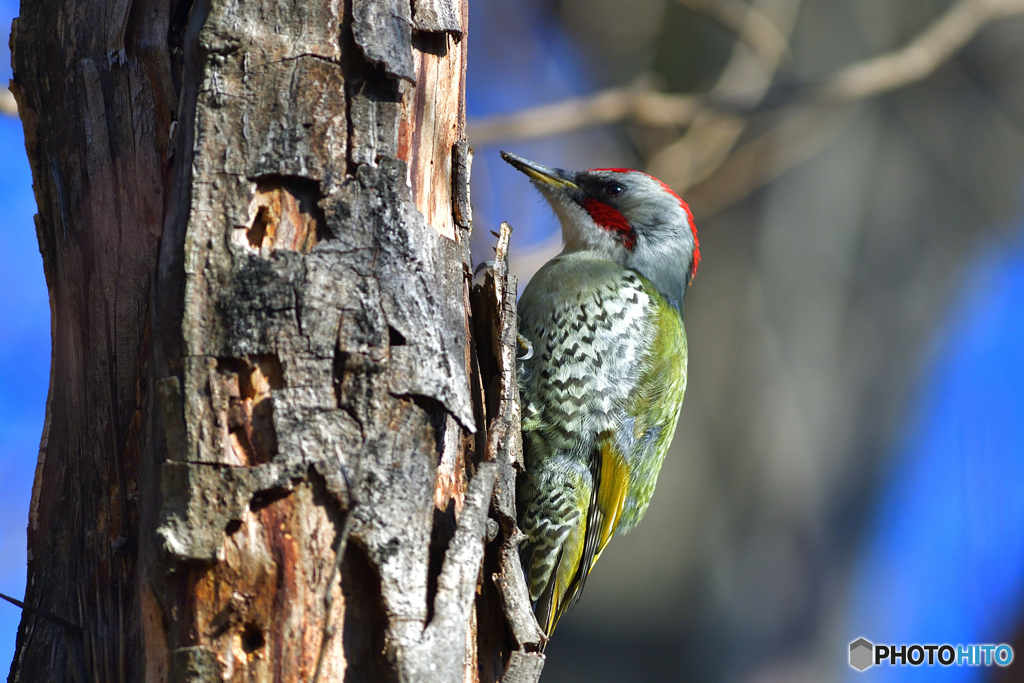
(919, 58)
(641, 104)
(750, 26)
(8, 106)
(799, 137)
(705, 157)
(637, 102)
(713, 134)
(809, 129)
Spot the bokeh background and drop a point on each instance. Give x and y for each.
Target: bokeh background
(850, 460)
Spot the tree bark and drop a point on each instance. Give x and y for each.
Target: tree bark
(272, 451)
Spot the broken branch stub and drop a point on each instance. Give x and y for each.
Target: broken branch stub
(496, 324)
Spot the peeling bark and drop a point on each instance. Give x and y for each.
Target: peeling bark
(272, 450)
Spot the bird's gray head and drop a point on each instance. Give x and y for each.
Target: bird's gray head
(624, 216)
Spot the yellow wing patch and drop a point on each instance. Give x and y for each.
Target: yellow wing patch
(564, 577)
(612, 487)
(589, 538)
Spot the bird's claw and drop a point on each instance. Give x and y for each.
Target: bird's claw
(526, 345)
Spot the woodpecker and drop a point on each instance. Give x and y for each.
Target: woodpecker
(602, 390)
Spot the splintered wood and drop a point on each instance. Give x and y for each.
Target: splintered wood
(494, 311)
(435, 114)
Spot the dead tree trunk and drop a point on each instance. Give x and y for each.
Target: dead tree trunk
(272, 450)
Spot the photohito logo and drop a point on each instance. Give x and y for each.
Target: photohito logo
(864, 654)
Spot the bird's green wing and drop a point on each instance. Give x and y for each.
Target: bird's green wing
(653, 408)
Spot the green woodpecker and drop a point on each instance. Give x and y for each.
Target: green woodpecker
(602, 390)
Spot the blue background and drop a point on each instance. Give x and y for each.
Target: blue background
(24, 353)
(946, 553)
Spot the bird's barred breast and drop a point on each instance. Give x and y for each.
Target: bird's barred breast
(590, 327)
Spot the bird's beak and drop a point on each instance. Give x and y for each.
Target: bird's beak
(555, 177)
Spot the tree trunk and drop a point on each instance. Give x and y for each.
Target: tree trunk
(272, 451)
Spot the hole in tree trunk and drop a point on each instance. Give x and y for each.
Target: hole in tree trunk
(262, 499)
(252, 639)
(248, 384)
(286, 215)
(257, 232)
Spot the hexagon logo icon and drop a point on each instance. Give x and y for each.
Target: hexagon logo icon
(861, 652)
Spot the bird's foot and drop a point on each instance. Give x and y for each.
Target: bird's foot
(526, 346)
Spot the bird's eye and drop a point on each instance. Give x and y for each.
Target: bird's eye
(614, 189)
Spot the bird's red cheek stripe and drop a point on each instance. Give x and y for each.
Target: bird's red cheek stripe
(611, 219)
(686, 208)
